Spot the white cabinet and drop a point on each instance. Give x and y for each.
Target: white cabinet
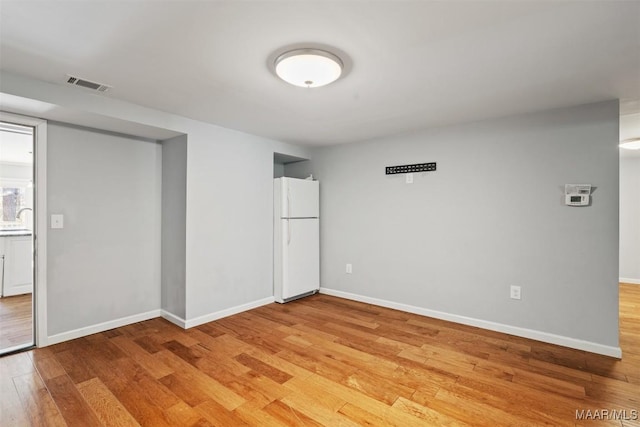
(1, 265)
(18, 266)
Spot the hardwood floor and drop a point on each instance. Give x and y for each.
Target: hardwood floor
(15, 321)
(321, 361)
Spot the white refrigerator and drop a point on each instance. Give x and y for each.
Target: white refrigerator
(296, 249)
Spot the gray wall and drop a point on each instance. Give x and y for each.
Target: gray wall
(105, 263)
(453, 241)
(229, 220)
(630, 219)
(300, 169)
(174, 205)
(490, 217)
(278, 170)
(229, 213)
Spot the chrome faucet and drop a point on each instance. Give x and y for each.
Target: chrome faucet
(20, 211)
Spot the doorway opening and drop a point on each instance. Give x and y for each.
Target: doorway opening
(17, 307)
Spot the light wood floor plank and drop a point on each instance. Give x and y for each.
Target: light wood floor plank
(324, 361)
(106, 406)
(39, 406)
(75, 410)
(16, 321)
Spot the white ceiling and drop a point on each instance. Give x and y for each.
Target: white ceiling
(410, 64)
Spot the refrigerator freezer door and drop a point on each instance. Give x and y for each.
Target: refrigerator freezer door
(300, 198)
(301, 252)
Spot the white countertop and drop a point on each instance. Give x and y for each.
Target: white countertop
(12, 233)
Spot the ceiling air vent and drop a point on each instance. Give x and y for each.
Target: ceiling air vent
(76, 81)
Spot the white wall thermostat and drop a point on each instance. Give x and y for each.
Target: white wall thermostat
(577, 194)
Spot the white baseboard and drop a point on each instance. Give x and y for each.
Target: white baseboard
(200, 320)
(185, 324)
(627, 280)
(484, 324)
(178, 321)
(101, 327)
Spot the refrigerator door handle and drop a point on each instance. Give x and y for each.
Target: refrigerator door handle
(288, 232)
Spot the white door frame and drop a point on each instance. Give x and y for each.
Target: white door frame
(40, 221)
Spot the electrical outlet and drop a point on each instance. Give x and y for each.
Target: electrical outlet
(515, 292)
(409, 178)
(349, 269)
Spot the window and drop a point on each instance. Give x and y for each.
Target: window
(16, 173)
(12, 201)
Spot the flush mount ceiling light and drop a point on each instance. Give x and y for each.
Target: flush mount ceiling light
(308, 67)
(631, 144)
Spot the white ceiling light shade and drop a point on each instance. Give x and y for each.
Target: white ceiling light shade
(631, 144)
(308, 67)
